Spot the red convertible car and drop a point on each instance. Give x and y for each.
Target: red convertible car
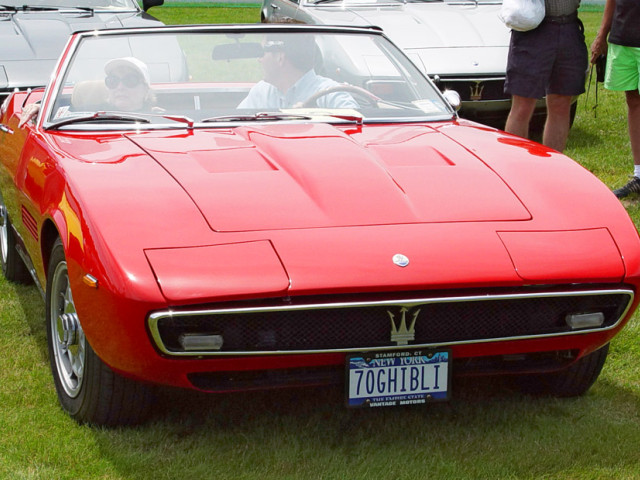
(304, 207)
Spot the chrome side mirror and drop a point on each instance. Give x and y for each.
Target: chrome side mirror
(453, 98)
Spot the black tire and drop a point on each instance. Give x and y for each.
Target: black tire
(13, 268)
(88, 390)
(573, 381)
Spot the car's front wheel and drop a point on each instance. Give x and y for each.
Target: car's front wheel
(88, 390)
(572, 381)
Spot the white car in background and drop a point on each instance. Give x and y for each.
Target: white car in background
(461, 44)
(33, 34)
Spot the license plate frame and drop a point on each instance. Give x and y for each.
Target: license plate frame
(421, 376)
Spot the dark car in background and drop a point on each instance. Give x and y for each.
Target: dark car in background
(34, 33)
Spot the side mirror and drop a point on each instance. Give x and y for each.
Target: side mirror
(453, 98)
(147, 4)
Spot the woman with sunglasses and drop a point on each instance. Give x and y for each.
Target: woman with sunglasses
(127, 81)
(126, 88)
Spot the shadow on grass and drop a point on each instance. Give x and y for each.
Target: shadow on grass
(583, 138)
(488, 430)
(32, 305)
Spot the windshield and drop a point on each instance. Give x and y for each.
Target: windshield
(94, 4)
(205, 77)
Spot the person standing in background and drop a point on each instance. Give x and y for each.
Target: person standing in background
(550, 60)
(621, 23)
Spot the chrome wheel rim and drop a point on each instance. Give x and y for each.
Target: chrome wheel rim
(4, 234)
(67, 337)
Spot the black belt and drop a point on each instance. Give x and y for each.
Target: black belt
(561, 19)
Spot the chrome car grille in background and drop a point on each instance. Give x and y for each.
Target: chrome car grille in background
(383, 324)
(483, 98)
(475, 89)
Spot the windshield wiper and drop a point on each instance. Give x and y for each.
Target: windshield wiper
(318, 2)
(179, 118)
(284, 116)
(349, 118)
(38, 8)
(50, 8)
(117, 117)
(256, 117)
(82, 9)
(101, 117)
(8, 8)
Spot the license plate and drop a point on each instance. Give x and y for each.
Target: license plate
(386, 379)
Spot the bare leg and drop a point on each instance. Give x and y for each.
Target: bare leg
(556, 128)
(520, 115)
(633, 102)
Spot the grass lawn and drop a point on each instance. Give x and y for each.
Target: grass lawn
(176, 14)
(487, 431)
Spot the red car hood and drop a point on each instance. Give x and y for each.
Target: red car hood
(262, 210)
(315, 175)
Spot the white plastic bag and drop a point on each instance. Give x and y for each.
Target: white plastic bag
(522, 15)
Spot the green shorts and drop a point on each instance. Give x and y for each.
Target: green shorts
(623, 68)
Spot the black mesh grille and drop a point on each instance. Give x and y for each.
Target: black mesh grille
(370, 326)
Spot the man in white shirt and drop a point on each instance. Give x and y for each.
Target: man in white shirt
(289, 79)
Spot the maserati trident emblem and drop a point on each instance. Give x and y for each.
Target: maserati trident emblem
(476, 91)
(400, 260)
(400, 333)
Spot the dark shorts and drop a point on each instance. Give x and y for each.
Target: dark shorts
(551, 59)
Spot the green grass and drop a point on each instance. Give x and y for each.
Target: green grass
(487, 431)
(222, 13)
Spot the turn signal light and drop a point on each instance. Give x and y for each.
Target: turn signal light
(194, 342)
(585, 320)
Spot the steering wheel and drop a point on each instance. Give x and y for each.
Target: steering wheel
(370, 98)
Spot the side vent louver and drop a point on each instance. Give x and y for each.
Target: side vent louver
(30, 223)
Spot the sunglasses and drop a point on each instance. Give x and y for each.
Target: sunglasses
(130, 81)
